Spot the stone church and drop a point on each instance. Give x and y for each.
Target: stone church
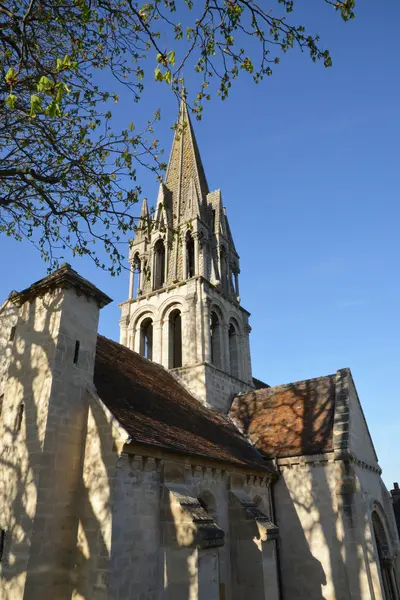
(160, 468)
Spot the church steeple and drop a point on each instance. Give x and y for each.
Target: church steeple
(184, 308)
(185, 177)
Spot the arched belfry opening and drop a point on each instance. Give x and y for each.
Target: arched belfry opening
(159, 264)
(175, 339)
(146, 339)
(385, 561)
(136, 268)
(216, 340)
(233, 350)
(190, 259)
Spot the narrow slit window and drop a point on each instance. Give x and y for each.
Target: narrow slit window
(76, 353)
(12, 333)
(2, 544)
(20, 417)
(1, 403)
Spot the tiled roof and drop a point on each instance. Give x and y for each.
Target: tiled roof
(289, 420)
(153, 407)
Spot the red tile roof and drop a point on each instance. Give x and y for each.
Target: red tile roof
(289, 420)
(155, 409)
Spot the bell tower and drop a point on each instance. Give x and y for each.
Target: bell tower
(183, 309)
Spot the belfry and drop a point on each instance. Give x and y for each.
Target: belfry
(183, 309)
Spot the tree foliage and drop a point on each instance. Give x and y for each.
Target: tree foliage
(67, 179)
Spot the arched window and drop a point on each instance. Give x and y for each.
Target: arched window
(233, 351)
(146, 339)
(159, 264)
(136, 267)
(175, 339)
(385, 562)
(190, 268)
(215, 331)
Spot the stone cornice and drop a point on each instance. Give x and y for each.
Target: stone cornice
(65, 277)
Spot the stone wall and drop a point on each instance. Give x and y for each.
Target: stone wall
(196, 299)
(327, 546)
(154, 525)
(41, 441)
(8, 319)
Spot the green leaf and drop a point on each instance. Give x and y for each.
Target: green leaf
(36, 105)
(44, 84)
(158, 76)
(167, 76)
(11, 76)
(171, 57)
(11, 100)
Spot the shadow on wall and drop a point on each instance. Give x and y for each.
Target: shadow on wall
(43, 433)
(315, 503)
(57, 476)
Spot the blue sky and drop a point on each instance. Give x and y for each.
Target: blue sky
(308, 165)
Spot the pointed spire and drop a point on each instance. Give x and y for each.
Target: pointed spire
(185, 165)
(144, 220)
(144, 213)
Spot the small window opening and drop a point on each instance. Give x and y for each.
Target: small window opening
(12, 333)
(175, 340)
(159, 265)
(146, 339)
(76, 353)
(2, 543)
(20, 416)
(215, 332)
(1, 403)
(189, 255)
(136, 275)
(213, 221)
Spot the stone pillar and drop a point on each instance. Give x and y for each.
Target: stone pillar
(191, 357)
(207, 574)
(164, 326)
(247, 375)
(136, 338)
(157, 341)
(207, 335)
(395, 492)
(225, 358)
(131, 276)
(196, 254)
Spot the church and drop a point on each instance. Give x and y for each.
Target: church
(159, 468)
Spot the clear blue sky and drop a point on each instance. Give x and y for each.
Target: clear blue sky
(308, 165)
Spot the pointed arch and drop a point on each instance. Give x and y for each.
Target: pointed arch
(146, 338)
(159, 264)
(190, 258)
(175, 339)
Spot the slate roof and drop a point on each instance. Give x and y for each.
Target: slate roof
(154, 408)
(289, 420)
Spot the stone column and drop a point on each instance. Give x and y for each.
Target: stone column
(164, 326)
(131, 276)
(191, 356)
(247, 376)
(225, 358)
(207, 336)
(196, 254)
(157, 341)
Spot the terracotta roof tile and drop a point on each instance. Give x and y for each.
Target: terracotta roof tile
(155, 409)
(289, 420)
